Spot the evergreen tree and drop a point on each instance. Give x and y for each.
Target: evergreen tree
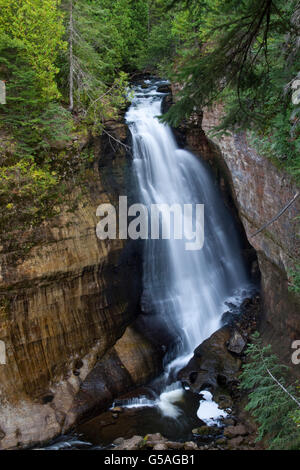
(246, 54)
(274, 403)
(38, 26)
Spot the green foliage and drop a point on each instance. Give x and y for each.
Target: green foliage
(35, 64)
(37, 24)
(294, 280)
(160, 47)
(245, 54)
(33, 120)
(273, 402)
(26, 194)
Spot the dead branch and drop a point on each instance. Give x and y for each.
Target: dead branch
(276, 216)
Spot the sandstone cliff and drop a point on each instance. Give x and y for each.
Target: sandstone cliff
(259, 190)
(65, 306)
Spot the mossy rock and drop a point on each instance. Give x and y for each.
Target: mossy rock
(206, 431)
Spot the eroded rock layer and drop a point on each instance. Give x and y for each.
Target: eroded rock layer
(65, 304)
(259, 190)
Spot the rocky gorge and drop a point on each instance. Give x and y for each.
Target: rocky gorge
(258, 189)
(70, 306)
(67, 313)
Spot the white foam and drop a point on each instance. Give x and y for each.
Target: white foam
(208, 411)
(167, 400)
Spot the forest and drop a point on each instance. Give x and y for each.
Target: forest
(67, 66)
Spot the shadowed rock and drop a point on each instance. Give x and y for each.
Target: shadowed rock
(211, 363)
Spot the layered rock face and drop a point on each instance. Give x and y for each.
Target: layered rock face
(259, 191)
(65, 306)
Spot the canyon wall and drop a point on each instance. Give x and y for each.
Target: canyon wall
(259, 190)
(65, 306)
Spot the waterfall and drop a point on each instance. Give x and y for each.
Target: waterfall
(183, 291)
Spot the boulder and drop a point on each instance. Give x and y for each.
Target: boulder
(222, 441)
(229, 422)
(190, 446)
(206, 431)
(238, 430)
(235, 442)
(224, 401)
(236, 343)
(211, 364)
(160, 446)
(119, 441)
(131, 444)
(152, 440)
(174, 445)
(164, 89)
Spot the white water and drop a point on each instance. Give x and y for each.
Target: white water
(183, 291)
(208, 411)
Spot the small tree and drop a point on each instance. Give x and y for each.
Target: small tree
(273, 402)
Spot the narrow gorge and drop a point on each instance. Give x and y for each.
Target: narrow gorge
(82, 311)
(149, 226)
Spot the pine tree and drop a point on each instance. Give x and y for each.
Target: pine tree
(273, 402)
(96, 87)
(38, 26)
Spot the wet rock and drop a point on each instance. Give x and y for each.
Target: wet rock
(236, 343)
(228, 317)
(174, 445)
(124, 366)
(238, 430)
(155, 437)
(190, 446)
(119, 441)
(211, 360)
(229, 422)
(131, 444)
(206, 431)
(224, 402)
(160, 446)
(152, 440)
(164, 89)
(166, 103)
(205, 447)
(246, 303)
(235, 442)
(221, 441)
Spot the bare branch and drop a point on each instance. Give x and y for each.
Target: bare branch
(277, 216)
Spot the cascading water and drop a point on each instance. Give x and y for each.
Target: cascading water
(183, 291)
